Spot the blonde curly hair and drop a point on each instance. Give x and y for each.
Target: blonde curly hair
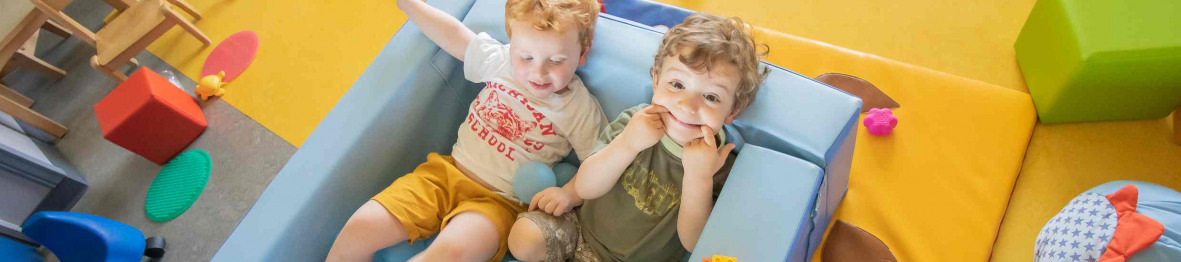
(704, 40)
(557, 15)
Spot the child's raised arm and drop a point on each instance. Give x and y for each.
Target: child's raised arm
(600, 171)
(440, 27)
(702, 160)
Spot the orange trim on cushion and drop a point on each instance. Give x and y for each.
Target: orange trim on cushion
(1134, 231)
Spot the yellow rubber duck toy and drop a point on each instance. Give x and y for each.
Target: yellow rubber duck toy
(211, 85)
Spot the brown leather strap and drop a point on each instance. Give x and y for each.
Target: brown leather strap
(849, 243)
(870, 95)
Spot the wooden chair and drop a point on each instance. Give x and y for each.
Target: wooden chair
(20, 26)
(17, 106)
(127, 35)
(122, 5)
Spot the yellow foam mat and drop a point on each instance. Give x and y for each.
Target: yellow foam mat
(967, 38)
(1066, 159)
(937, 188)
(310, 53)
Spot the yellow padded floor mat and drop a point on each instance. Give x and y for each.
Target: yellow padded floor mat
(1067, 159)
(973, 39)
(310, 53)
(937, 188)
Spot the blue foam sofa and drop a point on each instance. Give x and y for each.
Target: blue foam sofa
(791, 173)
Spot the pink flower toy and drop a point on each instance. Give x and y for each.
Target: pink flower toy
(880, 121)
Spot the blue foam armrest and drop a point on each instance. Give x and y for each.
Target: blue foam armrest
(765, 206)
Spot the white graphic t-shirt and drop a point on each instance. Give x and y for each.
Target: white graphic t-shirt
(508, 126)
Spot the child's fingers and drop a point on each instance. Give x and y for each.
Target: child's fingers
(551, 207)
(533, 203)
(725, 152)
(656, 109)
(542, 200)
(560, 209)
(707, 136)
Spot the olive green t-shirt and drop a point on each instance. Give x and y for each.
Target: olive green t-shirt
(637, 219)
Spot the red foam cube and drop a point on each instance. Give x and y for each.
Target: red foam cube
(150, 116)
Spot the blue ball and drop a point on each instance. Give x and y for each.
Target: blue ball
(532, 178)
(564, 172)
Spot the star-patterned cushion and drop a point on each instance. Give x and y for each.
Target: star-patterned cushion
(1080, 232)
(1096, 227)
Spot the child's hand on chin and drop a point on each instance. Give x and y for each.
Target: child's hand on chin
(644, 129)
(702, 158)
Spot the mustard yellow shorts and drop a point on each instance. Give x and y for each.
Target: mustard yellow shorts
(427, 198)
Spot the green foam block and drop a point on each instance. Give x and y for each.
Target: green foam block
(178, 185)
(1102, 60)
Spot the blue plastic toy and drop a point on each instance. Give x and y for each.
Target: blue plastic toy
(564, 172)
(84, 237)
(533, 177)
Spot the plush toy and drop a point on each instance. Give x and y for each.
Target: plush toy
(211, 85)
(1116, 221)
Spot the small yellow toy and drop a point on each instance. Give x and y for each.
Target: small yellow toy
(211, 85)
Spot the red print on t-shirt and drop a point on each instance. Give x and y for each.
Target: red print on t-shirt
(501, 118)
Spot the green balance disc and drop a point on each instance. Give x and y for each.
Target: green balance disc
(178, 185)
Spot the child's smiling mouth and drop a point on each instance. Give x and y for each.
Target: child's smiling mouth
(682, 123)
(538, 86)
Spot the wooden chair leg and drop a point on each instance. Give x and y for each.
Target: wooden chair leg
(112, 73)
(185, 6)
(188, 26)
(196, 32)
(18, 111)
(8, 68)
(61, 18)
(20, 36)
(119, 4)
(24, 59)
(15, 96)
(55, 28)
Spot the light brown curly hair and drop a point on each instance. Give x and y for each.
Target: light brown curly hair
(557, 15)
(704, 40)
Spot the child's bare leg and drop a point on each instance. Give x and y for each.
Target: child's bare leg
(371, 228)
(469, 236)
(525, 241)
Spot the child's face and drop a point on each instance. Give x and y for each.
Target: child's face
(694, 99)
(544, 61)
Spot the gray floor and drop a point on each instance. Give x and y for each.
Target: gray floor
(246, 156)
